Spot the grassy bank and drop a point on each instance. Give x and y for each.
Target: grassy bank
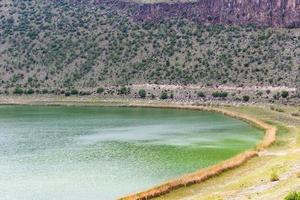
(207, 173)
(251, 180)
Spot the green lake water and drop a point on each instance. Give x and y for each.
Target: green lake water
(101, 153)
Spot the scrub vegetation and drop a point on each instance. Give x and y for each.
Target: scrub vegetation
(293, 196)
(274, 176)
(56, 46)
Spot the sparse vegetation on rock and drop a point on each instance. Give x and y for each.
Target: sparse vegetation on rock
(63, 44)
(246, 98)
(100, 90)
(284, 94)
(274, 176)
(164, 95)
(142, 93)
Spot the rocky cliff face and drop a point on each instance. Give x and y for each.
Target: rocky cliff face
(275, 13)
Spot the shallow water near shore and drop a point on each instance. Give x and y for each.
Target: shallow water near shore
(59, 152)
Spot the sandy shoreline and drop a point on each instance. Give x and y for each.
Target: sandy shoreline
(189, 179)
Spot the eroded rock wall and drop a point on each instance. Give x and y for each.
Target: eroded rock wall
(275, 13)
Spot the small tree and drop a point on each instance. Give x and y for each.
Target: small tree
(284, 94)
(223, 94)
(124, 90)
(164, 95)
(246, 98)
(100, 90)
(274, 176)
(172, 96)
(74, 92)
(30, 91)
(215, 94)
(45, 91)
(18, 91)
(220, 94)
(201, 94)
(142, 93)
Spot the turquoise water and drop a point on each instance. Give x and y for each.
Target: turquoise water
(81, 153)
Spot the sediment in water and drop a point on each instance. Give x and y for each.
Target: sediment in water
(189, 179)
(209, 172)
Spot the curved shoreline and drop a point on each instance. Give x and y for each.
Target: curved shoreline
(214, 170)
(188, 179)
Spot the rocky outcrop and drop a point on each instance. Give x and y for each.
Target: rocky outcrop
(275, 13)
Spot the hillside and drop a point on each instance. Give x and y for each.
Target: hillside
(272, 13)
(82, 44)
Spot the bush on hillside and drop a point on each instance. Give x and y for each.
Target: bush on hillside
(74, 92)
(18, 91)
(124, 90)
(45, 91)
(84, 93)
(164, 95)
(200, 94)
(284, 94)
(246, 98)
(220, 94)
(100, 90)
(171, 96)
(295, 114)
(142, 93)
(30, 91)
(274, 176)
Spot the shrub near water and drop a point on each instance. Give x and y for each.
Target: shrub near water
(274, 176)
(220, 94)
(200, 94)
(18, 91)
(164, 95)
(74, 92)
(30, 91)
(124, 91)
(142, 93)
(246, 98)
(293, 196)
(100, 90)
(284, 94)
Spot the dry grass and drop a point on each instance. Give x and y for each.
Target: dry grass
(274, 176)
(194, 178)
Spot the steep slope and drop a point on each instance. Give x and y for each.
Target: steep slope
(71, 44)
(275, 13)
